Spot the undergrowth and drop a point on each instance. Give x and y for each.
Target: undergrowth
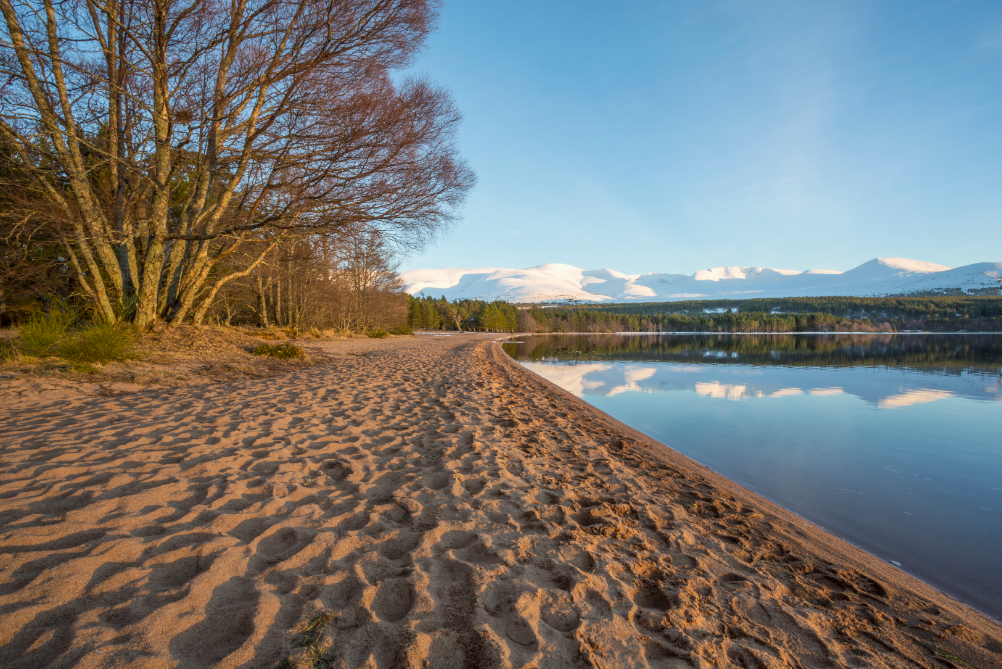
(402, 330)
(62, 333)
(100, 343)
(40, 335)
(280, 351)
(379, 334)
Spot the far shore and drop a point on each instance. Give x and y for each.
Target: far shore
(414, 502)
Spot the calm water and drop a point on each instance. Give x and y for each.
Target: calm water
(893, 442)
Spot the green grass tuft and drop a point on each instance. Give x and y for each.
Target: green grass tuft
(280, 351)
(100, 343)
(59, 333)
(402, 330)
(40, 335)
(379, 334)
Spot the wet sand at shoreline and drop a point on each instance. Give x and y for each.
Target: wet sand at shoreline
(420, 502)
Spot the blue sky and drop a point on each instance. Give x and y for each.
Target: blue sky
(676, 136)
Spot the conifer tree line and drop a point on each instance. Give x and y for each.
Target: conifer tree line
(428, 313)
(822, 314)
(189, 161)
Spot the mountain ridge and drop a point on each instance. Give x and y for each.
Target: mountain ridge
(556, 282)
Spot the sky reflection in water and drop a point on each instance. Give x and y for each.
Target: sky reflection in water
(892, 442)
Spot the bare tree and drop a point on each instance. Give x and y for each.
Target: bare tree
(346, 282)
(169, 135)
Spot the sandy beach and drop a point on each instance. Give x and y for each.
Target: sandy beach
(418, 502)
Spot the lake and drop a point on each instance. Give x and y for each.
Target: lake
(892, 442)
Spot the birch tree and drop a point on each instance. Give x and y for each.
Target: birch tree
(167, 135)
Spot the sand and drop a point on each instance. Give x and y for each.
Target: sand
(419, 502)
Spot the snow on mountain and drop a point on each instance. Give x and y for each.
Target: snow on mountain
(566, 283)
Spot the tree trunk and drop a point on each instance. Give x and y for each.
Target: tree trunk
(262, 307)
(278, 302)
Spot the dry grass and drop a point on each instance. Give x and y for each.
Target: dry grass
(166, 357)
(280, 351)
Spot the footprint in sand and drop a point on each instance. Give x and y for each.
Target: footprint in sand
(277, 547)
(400, 545)
(733, 582)
(174, 574)
(437, 481)
(599, 605)
(227, 623)
(650, 595)
(521, 632)
(578, 557)
(250, 529)
(335, 470)
(474, 486)
(561, 614)
(394, 599)
(457, 539)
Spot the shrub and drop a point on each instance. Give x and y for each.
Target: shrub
(402, 330)
(378, 334)
(280, 351)
(100, 343)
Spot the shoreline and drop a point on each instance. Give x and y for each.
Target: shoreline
(971, 595)
(421, 500)
(672, 454)
(900, 332)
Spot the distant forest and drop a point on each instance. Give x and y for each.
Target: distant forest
(794, 314)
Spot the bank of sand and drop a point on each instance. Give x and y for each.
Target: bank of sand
(423, 502)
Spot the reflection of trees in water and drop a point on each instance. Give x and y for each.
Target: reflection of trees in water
(929, 353)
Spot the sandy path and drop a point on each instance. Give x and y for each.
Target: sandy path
(430, 504)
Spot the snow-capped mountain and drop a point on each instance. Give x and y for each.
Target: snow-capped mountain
(560, 283)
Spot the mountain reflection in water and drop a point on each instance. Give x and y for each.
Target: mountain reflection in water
(891, 441)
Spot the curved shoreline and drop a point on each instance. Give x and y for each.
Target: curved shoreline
(790, 516)
(421, 500)
(930, 577)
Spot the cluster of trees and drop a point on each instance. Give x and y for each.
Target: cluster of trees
(345, 283)
(820, 314)
(188, 160)
(428, 313)
(590, 320)
(834, 313)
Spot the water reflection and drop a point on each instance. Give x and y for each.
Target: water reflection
(885, 388)
(891, 441)
(913, 369)
(932, 354)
